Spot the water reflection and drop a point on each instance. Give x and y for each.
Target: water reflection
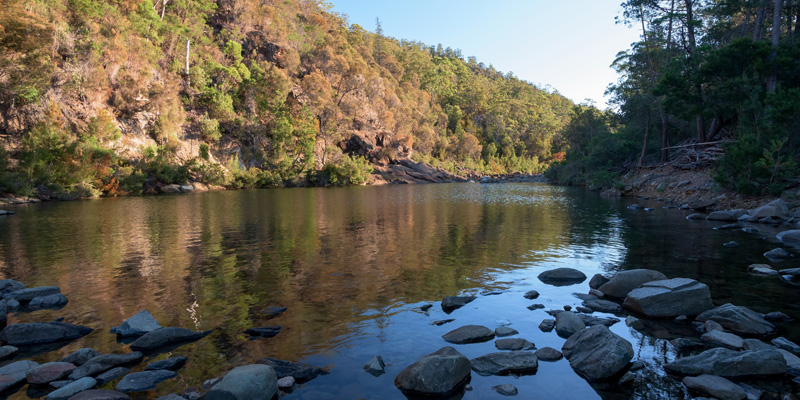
(353, 265)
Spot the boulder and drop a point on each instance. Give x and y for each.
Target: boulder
(762, 270)
(111, 375)
(597, 281)
(137, 325)
(440, 373)
(722, 339)
(13, 375)
(469, 334)
(786, 344)
(790, 238)
(597, 353)
(103, 363)
(71, 389)
(603, 306)
(7, 352)
(765, 212)
(172, 364)
(683, 345)
(792, 362)
(51, 301)
(166, 336)
(721, 216)
(739, 320)
(701, 204)
(49, 372)
(548, 354)
(670, 298)
(255, 381)
(624, 281)
(503, 331)
(567, 323)
(452, 303)
(81, 356)
(100, 394)
(147, 380)
(730, 363)
(547, 325)
(562, 277)
(25, 295)
(531, 295)
(300, 372)
(715, 386)
(777, 254)
(777, 316)
(10, 285)
(24, 334)
(288, 382)
(515, 362)
(265, 331)
(376, 367)
(513, 344)
(171, 189)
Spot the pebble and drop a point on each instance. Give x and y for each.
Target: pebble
(286, 382)
(506, 390)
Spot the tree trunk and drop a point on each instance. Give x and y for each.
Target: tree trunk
(758, 28)
(698, 90)
(163, 8)
(664, 137)
(187, 62)
(772, 83)
(644, 143)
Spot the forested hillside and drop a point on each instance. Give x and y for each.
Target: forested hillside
(120, 96)
(708, 72)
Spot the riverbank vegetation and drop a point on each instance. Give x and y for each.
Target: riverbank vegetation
(118, 96)
(705, 73)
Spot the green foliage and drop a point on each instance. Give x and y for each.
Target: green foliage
(754, 165)
(209, 130)
(346, 171)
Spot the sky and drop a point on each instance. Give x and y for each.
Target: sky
(563, 45)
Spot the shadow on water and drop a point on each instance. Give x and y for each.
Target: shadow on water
(353, 266)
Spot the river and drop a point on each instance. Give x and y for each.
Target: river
(353, 266)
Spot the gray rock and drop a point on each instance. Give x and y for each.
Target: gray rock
(147, 380)
(60, 384)
(721, 216)
(13, 375)
(503, 331)
(531, 294)
(255, 381)
(442, 322)
(376, 367)
(695, 216)
(730, 363)
(52, 301)
(777, 254)
(41, 332)
(710, 325)
(589, 320)
(603, 306)
(739, 320)
(172, 364)
(139, 324)
(786, 344)
(683, 345)
(715, 386)
(166, 336)
(514, 362)
(568, 323)
(24, 295)
(71, 389)
(547, 325)
(623, 282)
(469, 334)
(717, 338)
(791, 238)
(731, 244)
(627, 378)
(792, 362)
(7, 352)
(264, 331)
(81, 356)
(584, 310)
(452, 303)
(670, 298)
(513, 344)
(103, 363)
(13, 305)
(548, 354)
(100, 394)
(597, 353)
(701, 204)
(437, 374)
(287, 382)
(111, 375)
(765, 212)
(506, 390)
(424, 308)
(534, 307)
(300, 372)
(562, 277)
(48, 372)
(762, 270)
(597, 281)
(187, 188)
(596, 293)
(727, 227)
(274, 311)
(756, 345)
(10, 285)
(171, 189)
(777, 316)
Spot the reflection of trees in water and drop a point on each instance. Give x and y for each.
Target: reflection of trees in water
(652, 382)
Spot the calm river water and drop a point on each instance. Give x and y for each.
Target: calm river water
(353, 266)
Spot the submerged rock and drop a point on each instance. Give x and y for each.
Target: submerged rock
(469, 334)
(548, 354)
(376, 366)
(515, 362)
(300, 372)
(273, 311)
(762, 270)
(102, 363)
(623, 282)
(166, 336)
(670, 298)
(24, 334)
(172, 364)
(248, 382)
(452, 303)
(440, 373)
(506, 390)
(715, 386)
(562, 277)
(513, 344)
(139, 324)
(739, 320)
(777, 254)
(100, 394)
(531, 295)
(503, 331)
(145, 380)
(597, 353)
(265, 332)
(730, 363)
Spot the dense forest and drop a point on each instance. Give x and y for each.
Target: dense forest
(120, 96)
(705, 72)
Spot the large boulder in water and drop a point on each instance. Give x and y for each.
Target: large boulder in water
(451, 303)
(438, 374)
(166, 336)
(623, 282)
(567, 323)
(562, 277)
(730, 363)
(300, 372)
(670, 298)
(137, 325)
(469, 334)
(791, 238)
(597, 353)
(25, 334)
(722, 216)
(515, 362)
(255, 381)
(739, 320)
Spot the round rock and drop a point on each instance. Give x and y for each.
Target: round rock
(469, 334)
(562, 277)
(255, 381)
(438, 374)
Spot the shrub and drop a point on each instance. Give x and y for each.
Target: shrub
(209, 129)
(346, 171)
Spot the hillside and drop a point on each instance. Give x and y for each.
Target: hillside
(124, 96)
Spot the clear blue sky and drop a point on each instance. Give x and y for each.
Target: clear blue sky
(566, 44)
